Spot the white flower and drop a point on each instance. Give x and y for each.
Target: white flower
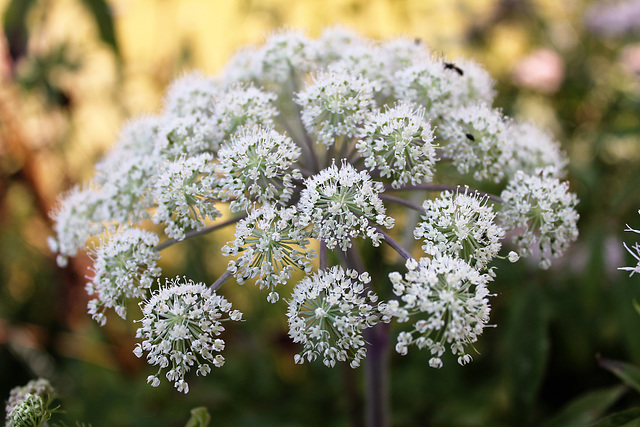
(634, 251)
(461, 225)
(544, 209)
(335, 104)
(285, 55)
(399, 143)
(180, 326)
(441, 86)
(185, 192)
(340, 204)
(257, 165)
(244, 105)
(29, 412)
(192, 93)
(205, 128)
(271, 244)
(124, 266)
(80, 214)
(533, 149)
(446, 299)
(427, 83)
(40, 388)
(475, 139)
(328, 312)
(333, 41)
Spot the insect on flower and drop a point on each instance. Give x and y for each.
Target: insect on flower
(453, 67)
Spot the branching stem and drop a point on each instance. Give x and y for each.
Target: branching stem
(195, 233)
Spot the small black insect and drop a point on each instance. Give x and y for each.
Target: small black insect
(454, 67)
(470, 137)
(417, 41)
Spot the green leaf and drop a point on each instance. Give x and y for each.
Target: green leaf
(104, 19)
(627, 372)
(629, 418)
(199, 417)
(526, 351)
(586, 408)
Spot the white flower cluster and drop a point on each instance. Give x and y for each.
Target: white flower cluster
(477, 141)
(340, 204)
(271, 243)
(634, 251)
(181, 323)
(335, 105)
(302, 140)
(185, 193)
(399, 143)
(30, 405)
(447, 298)
(125, 266)
(257, 165)
(544, 209)
(461, 225)
(328, 312)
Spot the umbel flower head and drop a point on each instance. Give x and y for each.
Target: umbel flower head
(544, 209)
(180, 329)
(320, 147)
(462, 225)
(340, 204)
(328, 312)
(447, 302)
(30, 405)
(271, 244)
(125, 266)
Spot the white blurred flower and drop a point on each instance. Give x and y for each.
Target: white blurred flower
(475, 140)
(80, 214)
(533, 149)
(335, 104)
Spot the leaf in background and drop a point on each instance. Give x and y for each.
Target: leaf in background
(199, 417)
(586, 408)
(14, 23)
(627, 372)
(629, 418)
(104, 18)
(526, 352)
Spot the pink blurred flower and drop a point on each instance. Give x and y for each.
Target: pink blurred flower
(542, 70)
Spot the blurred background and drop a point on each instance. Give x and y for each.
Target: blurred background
(72, 71)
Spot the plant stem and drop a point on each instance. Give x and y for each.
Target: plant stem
(195, 233)
(377, 375)
(220, 280)
(401, 201)
(395, 245)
